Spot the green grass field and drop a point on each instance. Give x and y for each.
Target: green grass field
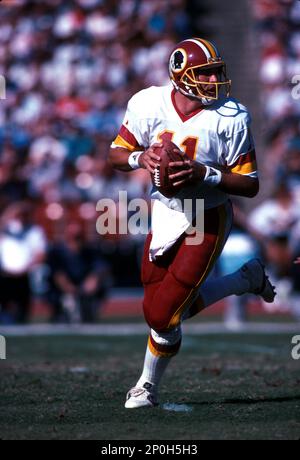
(73, 387)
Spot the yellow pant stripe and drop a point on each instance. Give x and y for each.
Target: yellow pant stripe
(215, 254)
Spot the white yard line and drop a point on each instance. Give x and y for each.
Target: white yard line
(125, 329)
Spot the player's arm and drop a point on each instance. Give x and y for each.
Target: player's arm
(118, 158)
(238, 184)
(231, 183)
(130, 149)
(238, 177)
(125, 160)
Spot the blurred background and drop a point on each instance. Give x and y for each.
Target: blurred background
(70, 68)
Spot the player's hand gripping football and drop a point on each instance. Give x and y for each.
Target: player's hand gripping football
(187, 171)
(149, 159)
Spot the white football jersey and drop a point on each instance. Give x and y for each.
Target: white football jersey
(217, 135)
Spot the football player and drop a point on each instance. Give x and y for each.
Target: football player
(212, 130)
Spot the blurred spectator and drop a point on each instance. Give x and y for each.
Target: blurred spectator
(79, 277)
(22, 248)
(289, 170)
(273, 223)
(275, 216)
(278, 23)
(295, 275)
(70, 68)
(240, 247)
(276, 222)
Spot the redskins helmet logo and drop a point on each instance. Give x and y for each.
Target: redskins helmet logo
(178, 60)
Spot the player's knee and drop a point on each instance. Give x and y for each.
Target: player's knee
(163, 308)
(157, 319)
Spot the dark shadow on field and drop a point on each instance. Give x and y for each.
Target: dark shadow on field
(246, 401)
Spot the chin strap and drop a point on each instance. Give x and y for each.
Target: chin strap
(205, 101)
(189, 93)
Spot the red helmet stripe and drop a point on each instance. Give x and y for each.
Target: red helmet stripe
(212, 49)
(201, 45)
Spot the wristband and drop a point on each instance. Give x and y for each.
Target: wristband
(212, 176)
(133, 159)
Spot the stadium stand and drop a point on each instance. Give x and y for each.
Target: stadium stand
(277, 31)
(70, 68)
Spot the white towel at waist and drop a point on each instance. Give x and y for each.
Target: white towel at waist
(167, 226)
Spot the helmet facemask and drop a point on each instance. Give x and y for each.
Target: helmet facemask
(192, 86)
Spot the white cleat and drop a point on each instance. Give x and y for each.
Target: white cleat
(141, 397)
(259, 282)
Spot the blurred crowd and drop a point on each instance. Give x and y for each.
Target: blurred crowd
(272, 230)
(276, 222)
(70, 68)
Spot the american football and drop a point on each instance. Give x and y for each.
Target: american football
(160, 178)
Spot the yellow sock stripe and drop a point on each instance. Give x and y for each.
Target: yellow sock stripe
(215, 254)
(159, 354)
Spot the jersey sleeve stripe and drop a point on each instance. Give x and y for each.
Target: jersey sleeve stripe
(245, 164)
(128, 136)
(244, 158)
(126, 139)
(120, 142)
(245, 168)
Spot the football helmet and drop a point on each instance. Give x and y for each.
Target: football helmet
(196, 57)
